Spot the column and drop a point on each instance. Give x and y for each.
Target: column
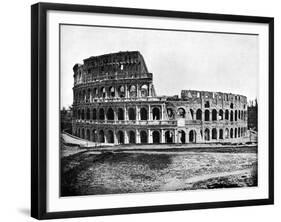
(126, 138)
(149, 112)
(126, 91)
(150, 136)
(162, 111)
(162, 136)
(175, 136)
(137, 90)
(115, 137)
(125, 113)
(137, 136)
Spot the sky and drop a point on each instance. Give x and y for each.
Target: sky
(179, 60)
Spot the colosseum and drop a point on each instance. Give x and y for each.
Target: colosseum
(115, 102)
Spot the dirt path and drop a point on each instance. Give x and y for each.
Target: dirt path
(180, 184)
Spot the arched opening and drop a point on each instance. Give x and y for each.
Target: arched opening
(214, 115)
(199, 114)
(110, 136)
(120, 114)
(132, 114)
(101, 114)
(143, 113)
(94, 135)
(110, 114)
(181, 113)
(82, 114)
(235, 133)
(207, 115)
(132, 91)
(170, 113)
(214, 134)
(95, 92)
(156, 137)
(192, 136)
(231, 133)
(231, 115)
(94, 113)
(121, 91)
(112, 91)
(227, 114)
(221, 134)
(88, 135)
(239, 114)
(143, 137)
(221, 114)
(82, 134)
(144, 91)
(191, 114)
(103, 92)
(88, 114)
(182, 137)
(101, 136)
(120, 137)
(231, 105)
(226, 133)
(235, 115)
(207, 134)
(132, 137)
(79, 114)
(168, 137)
(156, 113)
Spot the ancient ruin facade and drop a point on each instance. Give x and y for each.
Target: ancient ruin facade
(115, 102)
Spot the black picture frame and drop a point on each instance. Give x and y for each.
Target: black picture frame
(39, 108)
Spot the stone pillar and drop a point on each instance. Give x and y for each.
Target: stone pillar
(115, 137)
(137, 87)
(126, 138)
(175, 137)
(137, 136)
(137, 113)
(149, 112)
(125, 113)
(150, 136)
(162, 112)
(162, 136)
(126, 91)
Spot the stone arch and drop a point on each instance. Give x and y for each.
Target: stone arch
(231, 115)
(120, 137)
(102, 92)
(170, 113)
(101, 114)
(227, 133)
(182, 136)
(227, 114)
(88, 113)
(82, 114)
(214, 115)
(214, 134)
(220, 114)
(88, 134)
(110, 136)
(121, 91)
(111, 91)
(221, 134)
(191, 113)
(207, 115)
(192, 136)
(110, 114)
(207, 134)
(169, 136)
(94, 135)
(132, 113)
(143, 136)
(156, 136)
(94, 114)
(120, 114)
(199, 114)
(143, 113)
(132, 91)
(156, 113)
(101, 136)
(144, 90)
(132, 137)
(231, 133)
(181, 112)
(239, 114)
(235, 115)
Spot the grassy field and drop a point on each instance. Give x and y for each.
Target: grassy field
(89, 173)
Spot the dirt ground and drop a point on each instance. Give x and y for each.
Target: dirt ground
(89, 173)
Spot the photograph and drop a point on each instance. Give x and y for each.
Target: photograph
(157, 110)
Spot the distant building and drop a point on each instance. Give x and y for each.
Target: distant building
(115, 102)
(253, 116)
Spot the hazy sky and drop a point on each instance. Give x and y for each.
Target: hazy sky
(178, 60)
